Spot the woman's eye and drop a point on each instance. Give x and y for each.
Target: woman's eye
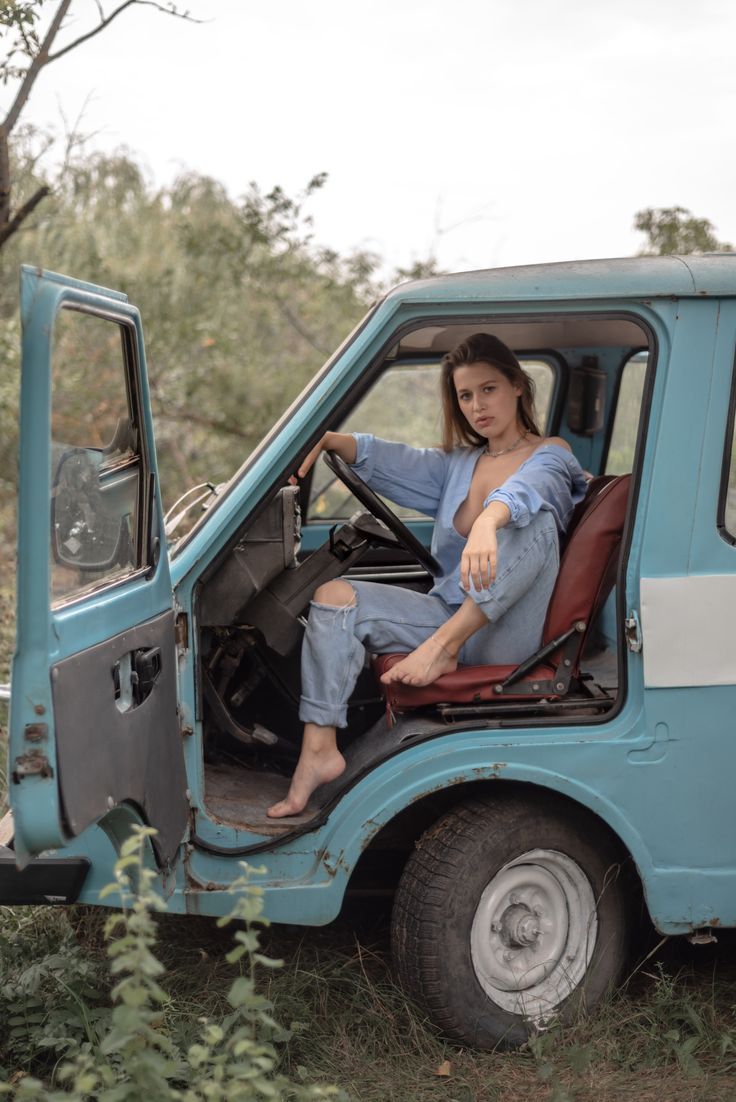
(488, 389)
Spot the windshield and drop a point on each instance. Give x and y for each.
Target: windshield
(214, 500)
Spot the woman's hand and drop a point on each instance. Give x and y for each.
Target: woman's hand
(478, 561)
(479, 558)
(340, 442)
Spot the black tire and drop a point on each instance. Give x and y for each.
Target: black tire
(568, 915)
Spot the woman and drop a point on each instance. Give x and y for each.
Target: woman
(500, 493)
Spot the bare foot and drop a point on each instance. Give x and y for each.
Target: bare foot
(423, 666)
(315, 767)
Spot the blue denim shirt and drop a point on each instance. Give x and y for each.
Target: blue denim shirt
(437, 482)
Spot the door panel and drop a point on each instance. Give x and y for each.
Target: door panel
(130, 757)
(94, 721)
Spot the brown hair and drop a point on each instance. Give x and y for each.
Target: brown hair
(487, 349)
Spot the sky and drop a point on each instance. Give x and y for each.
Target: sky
(480, 132)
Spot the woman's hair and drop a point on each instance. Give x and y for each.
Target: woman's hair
(482, 348)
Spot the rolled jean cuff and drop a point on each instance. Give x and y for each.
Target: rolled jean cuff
(487, 602)
(323, 713)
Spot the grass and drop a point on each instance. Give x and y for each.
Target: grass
(669, 1036)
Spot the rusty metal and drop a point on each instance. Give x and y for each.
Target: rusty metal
(34, 763)
(36, 732)
(181, 631)
(702, 937)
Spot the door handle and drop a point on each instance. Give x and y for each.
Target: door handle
(145, 668)
(134, 676)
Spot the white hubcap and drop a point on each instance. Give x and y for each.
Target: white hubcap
(534, 932)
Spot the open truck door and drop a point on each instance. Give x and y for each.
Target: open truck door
(94, 724)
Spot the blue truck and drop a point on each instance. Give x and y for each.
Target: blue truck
(521, 816)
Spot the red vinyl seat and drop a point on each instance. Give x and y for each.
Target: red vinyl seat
(586, 576)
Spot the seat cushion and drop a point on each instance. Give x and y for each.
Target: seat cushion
(466, 685)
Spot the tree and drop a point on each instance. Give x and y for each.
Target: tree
(675, 230)
(240, 305)
(26, 55)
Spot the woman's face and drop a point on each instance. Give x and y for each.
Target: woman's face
(487, 399)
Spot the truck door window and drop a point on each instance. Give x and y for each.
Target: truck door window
(96, 459)
(622, 444)
(405, 405)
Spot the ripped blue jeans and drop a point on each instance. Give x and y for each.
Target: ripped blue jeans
(386, 619)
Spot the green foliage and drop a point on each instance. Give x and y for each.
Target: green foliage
(240, 306)
(351, 1025)
(19, 18)
(128, 1053)
(685, 1029)
(675, 230)
(49, 992)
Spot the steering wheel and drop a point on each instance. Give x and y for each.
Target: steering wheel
(372, 502)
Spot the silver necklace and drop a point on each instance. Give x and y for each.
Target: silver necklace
(511, 447)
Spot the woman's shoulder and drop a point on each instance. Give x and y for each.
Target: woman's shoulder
(556, 441)
(554, 453)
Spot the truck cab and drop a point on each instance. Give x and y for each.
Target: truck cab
(519, 815)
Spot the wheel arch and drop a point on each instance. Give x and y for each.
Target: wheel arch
(401, 832)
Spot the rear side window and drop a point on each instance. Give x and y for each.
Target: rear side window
(620, 459)
(727, 506)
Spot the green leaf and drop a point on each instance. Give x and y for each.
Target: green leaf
(269, 962)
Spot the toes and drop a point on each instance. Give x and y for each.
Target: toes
(281, 810)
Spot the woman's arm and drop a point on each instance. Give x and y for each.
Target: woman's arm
(413, 477)
(409, 476)
(341, 442)
(551, 479)
(478, 560)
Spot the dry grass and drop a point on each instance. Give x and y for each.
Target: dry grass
(670, 1036)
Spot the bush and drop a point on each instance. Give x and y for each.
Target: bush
(125, 1053)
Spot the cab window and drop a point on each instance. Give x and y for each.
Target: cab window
(404, 405)
(727, 506)
(621, 447)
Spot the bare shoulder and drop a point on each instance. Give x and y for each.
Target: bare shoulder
(555, 440)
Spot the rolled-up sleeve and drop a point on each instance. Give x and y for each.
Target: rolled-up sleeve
(411, 477)
(551, 479)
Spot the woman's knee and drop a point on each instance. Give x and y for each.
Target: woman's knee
(337, 592)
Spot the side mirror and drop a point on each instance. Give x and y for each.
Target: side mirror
(86, 534)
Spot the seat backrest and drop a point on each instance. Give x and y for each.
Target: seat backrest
(587, 567)
(595, 486)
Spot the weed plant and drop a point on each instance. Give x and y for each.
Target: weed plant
(667, 1037)
(125, 1052)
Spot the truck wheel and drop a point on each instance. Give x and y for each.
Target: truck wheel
(510, 913)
